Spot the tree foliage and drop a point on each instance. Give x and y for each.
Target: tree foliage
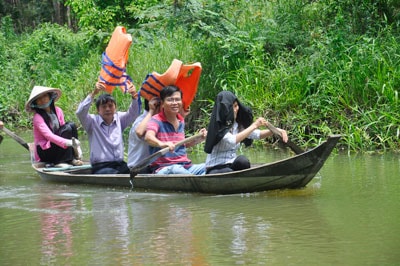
(318, 67)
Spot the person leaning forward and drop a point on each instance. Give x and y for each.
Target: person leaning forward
(105, 130)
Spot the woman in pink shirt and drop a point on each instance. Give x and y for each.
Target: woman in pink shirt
(55, 141)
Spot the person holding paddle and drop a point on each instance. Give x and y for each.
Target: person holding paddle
(138, 147)
(167, 128)
(105, 130)
(55, 141)
(232, 123)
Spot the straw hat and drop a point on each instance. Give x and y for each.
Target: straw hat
(38, 91)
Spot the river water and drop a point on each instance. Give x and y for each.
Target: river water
(348, 215)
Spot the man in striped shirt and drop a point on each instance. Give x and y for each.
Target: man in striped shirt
(167, 128)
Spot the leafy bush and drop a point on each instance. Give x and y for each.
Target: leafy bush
(312, 67)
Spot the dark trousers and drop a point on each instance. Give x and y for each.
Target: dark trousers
(240, 163)
(55, 154)
(110, 168)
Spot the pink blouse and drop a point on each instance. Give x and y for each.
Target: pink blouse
(42, 134)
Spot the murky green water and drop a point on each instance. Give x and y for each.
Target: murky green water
(349, 215)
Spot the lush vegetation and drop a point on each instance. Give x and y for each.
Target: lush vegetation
(313, 67)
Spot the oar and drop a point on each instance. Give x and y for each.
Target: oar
(145, 162)
(289, 143)
(16, 138)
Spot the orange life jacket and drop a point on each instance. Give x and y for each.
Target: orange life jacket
(185, 77)
(114, 60)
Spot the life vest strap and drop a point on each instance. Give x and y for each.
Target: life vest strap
(151, 88)
(106, 61)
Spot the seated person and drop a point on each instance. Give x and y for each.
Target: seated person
(231, 123)
(53, 137)
(105, 130)
(138, 149)
(167, 128)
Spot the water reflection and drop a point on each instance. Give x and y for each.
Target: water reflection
(347, 216)
(56, 222)
(111, 226)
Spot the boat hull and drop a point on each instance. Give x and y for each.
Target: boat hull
(291, 173)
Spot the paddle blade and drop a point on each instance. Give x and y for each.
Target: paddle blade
(289, 143)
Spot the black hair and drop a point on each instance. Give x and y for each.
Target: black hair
(104, 98)
(168, 91)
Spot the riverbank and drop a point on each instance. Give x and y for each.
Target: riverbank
(336, 74)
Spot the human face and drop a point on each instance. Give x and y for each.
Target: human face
(235, 109)
(173, 103)
(43, 100)
(107, 111)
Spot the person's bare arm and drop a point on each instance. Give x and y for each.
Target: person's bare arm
(154, 107)
(199, 139)
(246, 132)
(153, 141)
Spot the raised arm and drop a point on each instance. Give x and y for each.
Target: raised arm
(154, 107)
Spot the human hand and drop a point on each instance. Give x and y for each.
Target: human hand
(98, 87)
(261, 121)
(68, 143)
(204, 133)
(72, 142)
(132, 91)
(168, 144)
(200, 139)
(1, 124)
(284, 135)
(154, 105)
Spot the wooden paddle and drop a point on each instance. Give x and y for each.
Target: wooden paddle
(289, 143)
(16, 138)
(145, 162)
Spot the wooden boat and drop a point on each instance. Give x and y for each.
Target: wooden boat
(290, 173)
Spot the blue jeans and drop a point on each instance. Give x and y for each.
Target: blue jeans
(195, 169)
